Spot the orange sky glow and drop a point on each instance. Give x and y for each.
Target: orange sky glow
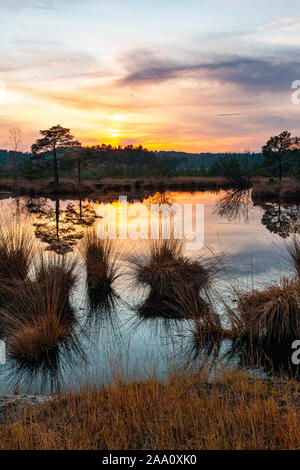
(183, 80)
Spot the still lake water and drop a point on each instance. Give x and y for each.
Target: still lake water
(248, 237)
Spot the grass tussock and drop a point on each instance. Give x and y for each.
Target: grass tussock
(166, 270)
(164, 265)
(269, 316)
(31, 342)
(100, 257)
(38, 316)
(36, 320)
(52, 270)
(16, 249)
(185, 412)
(293, 250)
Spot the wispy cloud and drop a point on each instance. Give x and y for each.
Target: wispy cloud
(44, 62)
(281, 24)
(38, 4)
(257, 74)
(191, 79)
(229, 114)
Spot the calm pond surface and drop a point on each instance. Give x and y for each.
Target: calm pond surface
(247, 237)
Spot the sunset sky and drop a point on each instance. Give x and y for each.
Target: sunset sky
(193, 75)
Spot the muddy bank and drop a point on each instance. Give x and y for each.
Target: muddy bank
(13, 404)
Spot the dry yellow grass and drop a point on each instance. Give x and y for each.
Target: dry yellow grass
(163, 267)
(100, 257)
(33, 340)
(37, 315)
(16, 248)
(70, 186)
(236, 412)
(288, 188)
(271, 315)
(293, 249)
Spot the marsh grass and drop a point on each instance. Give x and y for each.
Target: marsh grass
(16, 248)
(101, 259)
(293, 249)
(38, 320)
(58, 274)
(264, 324)
(51, 269)
(233, 411)
(170, 306)
(271, 315)
(165, 263)
(288, 189)
(36, 309)
(163, 269)
(30, 341)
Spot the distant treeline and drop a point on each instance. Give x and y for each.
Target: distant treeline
(207, 160)
(59, 154)
(131, 162)
(6, 157)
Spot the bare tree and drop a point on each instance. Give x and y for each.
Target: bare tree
(15, 137)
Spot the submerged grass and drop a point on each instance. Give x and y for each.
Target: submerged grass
(185, 412)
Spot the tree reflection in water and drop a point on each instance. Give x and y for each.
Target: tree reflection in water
(234, 205)
(281, 219)
(278, 217)
(60, 228)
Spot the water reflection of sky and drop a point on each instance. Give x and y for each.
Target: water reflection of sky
(119, 339)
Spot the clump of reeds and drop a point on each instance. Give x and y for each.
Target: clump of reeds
(293, 249)
(37, 317)
(16, 249)
(165, 265)
(164, 270)
(40, 333)
(270, 316)
(101, 262)
(56, 272)
(30, 341)
(41, 352)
